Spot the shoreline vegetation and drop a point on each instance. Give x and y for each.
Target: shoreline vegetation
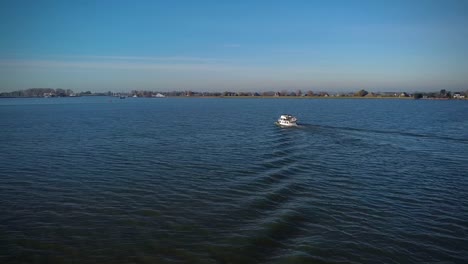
(50, 92)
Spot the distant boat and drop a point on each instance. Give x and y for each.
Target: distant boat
(286, 121)
(123, 97)
(135, 96)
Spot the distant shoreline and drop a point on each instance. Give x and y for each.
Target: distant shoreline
(50, 92)
(256, 97)
(291, 97)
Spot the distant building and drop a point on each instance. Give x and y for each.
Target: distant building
(389, 94)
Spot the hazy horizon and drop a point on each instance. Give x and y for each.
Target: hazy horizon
(333, 46)
(303, 91)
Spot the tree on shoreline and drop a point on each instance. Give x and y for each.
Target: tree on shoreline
(361, 93)
(38, 92)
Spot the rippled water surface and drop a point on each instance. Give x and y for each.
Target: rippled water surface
(184, 180)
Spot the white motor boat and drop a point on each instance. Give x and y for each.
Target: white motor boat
(286, 121)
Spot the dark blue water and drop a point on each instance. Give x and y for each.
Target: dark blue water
(103, 180)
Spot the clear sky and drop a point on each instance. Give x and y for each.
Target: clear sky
(378, 45)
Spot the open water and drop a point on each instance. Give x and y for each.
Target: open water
(185, 180)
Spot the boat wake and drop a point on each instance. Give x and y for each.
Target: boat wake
(390, 132)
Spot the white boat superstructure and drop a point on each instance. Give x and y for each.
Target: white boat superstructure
(286, 121)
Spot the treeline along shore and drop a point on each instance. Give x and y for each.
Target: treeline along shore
(50, 92)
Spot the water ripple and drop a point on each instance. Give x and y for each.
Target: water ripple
(103, 182)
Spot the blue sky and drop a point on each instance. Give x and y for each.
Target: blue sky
(234, 45)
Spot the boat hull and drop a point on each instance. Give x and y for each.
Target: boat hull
(285, 125)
